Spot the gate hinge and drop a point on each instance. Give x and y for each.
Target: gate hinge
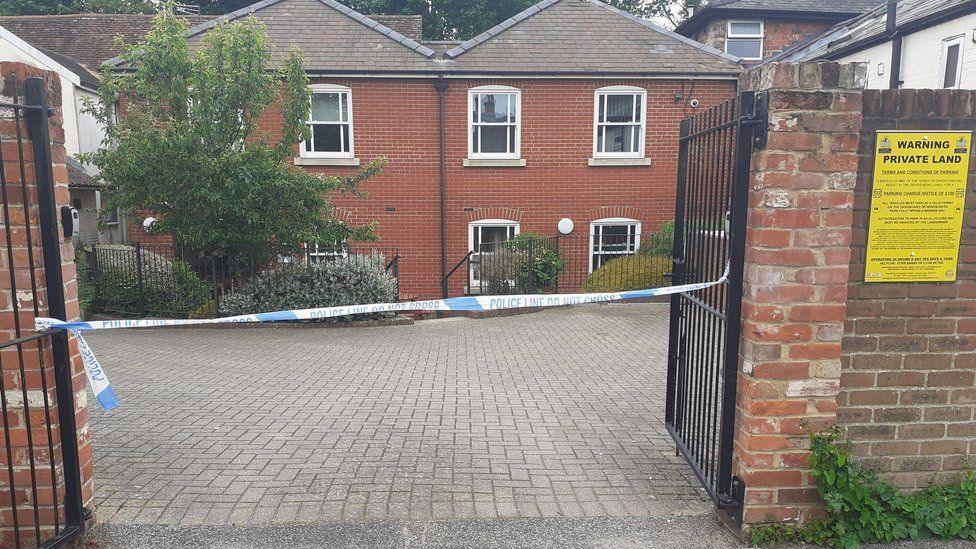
(760, 120)
(734, 502)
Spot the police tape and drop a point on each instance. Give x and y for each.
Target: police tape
(107, 398)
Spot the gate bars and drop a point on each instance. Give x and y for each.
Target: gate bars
(40, 478)
(703, 348)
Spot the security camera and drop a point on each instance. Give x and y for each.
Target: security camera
(694, 103)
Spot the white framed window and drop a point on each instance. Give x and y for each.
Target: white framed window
(494, 122)
(611, 238)
(330, 120)
(619, 121)
(318, 253)
(950, 73)
(744, 39)
(483, 237)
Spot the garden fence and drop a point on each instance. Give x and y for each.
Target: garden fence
(169, 281)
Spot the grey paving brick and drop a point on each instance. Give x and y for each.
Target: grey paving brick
(551, 414)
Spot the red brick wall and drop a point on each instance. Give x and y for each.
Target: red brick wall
(398, 119)
(908, 394)
(37, 362)
(795, 281)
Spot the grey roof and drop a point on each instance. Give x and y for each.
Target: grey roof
(829, 6)
(862, 31)
(332, 36)
(808, 10)
(89, 78)
(78, 176)
(586, 36)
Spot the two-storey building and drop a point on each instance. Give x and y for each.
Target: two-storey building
(569, 110)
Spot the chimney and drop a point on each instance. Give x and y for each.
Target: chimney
(891, 24)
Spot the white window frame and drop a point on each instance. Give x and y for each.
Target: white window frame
(473, 93)
(946, 44)
(613, 222)
(332, 88)
(761, 36)
(474, 283)
(619, 90)
(317, 253)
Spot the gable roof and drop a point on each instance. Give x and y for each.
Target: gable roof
(866, 30)
(88, 38)
(808, 10)
(326, 32)
(586, 36)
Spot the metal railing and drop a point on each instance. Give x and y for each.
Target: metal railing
(562, 264)
(168, 280)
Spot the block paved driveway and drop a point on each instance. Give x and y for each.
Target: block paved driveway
(551, 414)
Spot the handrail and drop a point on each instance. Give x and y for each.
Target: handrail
(458, 266)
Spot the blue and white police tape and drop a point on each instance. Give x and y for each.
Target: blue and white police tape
(107, 398)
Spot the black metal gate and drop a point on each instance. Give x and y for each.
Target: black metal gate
(710, 221)
(40, 479)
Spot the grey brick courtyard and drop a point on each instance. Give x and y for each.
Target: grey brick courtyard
(551, 414)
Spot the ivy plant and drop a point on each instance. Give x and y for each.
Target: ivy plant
(862, 508)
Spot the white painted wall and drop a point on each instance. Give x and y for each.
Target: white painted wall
(16, 50)
(922, 56)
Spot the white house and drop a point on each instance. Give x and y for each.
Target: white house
(924, 44)
(82, 133)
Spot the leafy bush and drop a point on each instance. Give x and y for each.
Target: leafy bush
(529, 263)
(661, 243)
(86, 286)
(353, 280)
(633, 272)
(865, 509)
(169, 287)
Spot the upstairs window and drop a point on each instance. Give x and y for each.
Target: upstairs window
(952, 62)
(494, 122)
(745, 39)
(330, 120)
(619, 120)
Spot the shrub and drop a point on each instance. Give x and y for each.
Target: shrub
(169, 287)
(529, 263)
(633, 272)
(661, 243)
(353, 280)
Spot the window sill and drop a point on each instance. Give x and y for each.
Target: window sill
(620, 162)
(494, 162)
(310, 161)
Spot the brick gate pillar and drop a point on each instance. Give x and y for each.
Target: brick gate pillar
(795, 280)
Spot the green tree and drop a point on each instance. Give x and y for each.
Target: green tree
(56, 7)
(187, 146)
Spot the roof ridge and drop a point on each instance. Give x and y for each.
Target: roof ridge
(499, 28)
(666, 32)
(349, 12)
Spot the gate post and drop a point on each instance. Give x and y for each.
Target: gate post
(795, 280)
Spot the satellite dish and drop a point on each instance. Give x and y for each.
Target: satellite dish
(148, 223)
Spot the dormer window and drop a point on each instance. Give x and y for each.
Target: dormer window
(745, 39)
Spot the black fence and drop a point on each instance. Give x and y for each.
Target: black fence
(170, 281)
(40, 476)
(617, 259)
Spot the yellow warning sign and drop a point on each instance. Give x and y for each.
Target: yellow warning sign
(917, 204)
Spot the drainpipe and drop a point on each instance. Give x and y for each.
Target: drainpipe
(441, 85)
(891, 26)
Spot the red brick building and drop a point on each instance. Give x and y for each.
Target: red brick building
(759, 29)
(519, 108)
